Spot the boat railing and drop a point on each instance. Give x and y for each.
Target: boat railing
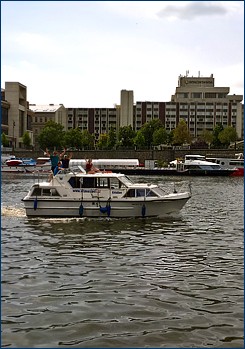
(177, 187)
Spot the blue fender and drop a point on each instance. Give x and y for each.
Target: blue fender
(81, 209)
(143, 210)
(35, 204)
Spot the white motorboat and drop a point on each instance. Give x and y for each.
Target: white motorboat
(43, 164)
(103, 194)
(197, 165)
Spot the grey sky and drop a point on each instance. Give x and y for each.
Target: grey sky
(83, 53)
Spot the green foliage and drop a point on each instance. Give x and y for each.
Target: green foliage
(160, 136)
(216, 143)
(207, 136)
(87, 140)
(26, 139)
(181, 133)
(4, 140)
(139, 139)
(227, 135)
(112, 139)
(102, 141)
(52, 136)
(148, 130)
(73, 138)
(126, 136)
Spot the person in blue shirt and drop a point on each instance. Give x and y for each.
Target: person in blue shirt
(58, 168)
(55, 158)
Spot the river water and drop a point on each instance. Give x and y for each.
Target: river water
(82, 283)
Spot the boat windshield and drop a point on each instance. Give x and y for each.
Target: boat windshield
(126, 181)
(159, 191)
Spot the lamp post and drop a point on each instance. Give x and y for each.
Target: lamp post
(13, 136)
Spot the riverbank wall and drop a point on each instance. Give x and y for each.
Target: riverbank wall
(165, 155)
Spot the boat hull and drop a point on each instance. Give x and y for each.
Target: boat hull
(101, 209)
(13, 169)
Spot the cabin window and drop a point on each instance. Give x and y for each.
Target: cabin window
(103, 183)
(116, 184)
(88, 182)
(130, 193)
(45, 192)
(140, 192)
(75, 182)
(36, 192)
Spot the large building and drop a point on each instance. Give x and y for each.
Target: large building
(16, 115)
(196, 100)
(45, 113)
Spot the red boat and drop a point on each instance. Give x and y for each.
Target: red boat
(13, 162)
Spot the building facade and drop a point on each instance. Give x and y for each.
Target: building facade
(44, 113)
(196, 100)
(16, 115)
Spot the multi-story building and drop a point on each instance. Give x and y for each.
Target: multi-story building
(45, 113)
(196, 100)
(95, 120)
(203, 105)
(199, 103)
(16, 115)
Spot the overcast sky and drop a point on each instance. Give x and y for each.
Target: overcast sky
(83, 53)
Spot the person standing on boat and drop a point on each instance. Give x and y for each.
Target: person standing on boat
(55, 158)
(65, 160)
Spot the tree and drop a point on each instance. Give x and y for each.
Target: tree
(160, 136)
(26, 139)
(126, 136)
(207, 136)
(4, 140)
(112, 139)
(216, 143)
(181, 133)
(139, 139)
(73, 138)
(87, 140)
(102, 141)
(227, 136)
(148, 130)
(51, 136)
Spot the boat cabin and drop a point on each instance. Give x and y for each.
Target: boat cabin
(195, 157)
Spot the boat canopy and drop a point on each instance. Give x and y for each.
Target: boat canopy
(105, 162)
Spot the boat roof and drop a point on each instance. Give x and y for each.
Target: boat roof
(108, 162)
(192, 156)
(97, 174)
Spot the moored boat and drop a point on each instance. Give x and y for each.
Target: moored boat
(17, 165)
(197, 165)
(192, 165)
(101, 194)
(236, 164)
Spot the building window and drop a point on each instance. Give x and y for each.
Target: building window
(210, 95)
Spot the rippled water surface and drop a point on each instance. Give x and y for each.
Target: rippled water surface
(125, 283)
